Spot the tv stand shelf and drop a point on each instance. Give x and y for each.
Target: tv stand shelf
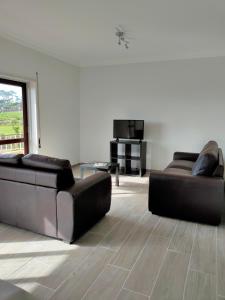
(126, 157)
(130, 154)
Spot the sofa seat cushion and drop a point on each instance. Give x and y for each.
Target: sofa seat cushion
(177, 171)
(10, 159)
(181, 164)
(207, 160)
(61, 167)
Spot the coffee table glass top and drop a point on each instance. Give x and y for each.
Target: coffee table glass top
(104, 166)
(97, 165)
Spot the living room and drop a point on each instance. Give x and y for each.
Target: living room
(86, 64)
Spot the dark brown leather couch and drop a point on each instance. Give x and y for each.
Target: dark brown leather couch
(191, 187)
(39, 193)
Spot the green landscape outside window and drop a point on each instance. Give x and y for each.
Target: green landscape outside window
(11, 118)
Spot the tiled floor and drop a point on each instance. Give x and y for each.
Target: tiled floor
(129, 255)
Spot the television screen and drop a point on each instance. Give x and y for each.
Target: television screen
(128, 129)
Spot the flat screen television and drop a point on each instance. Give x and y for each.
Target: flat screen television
(128, 129)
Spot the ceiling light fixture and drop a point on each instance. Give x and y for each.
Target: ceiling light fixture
(122, 37)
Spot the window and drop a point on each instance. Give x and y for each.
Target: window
(13, 117)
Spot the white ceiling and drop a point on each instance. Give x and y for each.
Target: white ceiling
(81, 32)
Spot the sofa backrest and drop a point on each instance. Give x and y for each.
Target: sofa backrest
(10, 159)
(37, 170)
(219, 171)
(207, 160)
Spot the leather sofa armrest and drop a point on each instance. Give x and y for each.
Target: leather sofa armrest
(89, 182)
(185, 156)
(82, 205)
(196, 198)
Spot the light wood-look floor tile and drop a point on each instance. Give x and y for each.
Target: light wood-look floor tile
(171, 280)
(200, 286)
(221, 263)
(129, 295)
(40, 292)
(204, 250)
(38, 272)
(105, 225)
(128, 253)
(46, 267)
(3, 227)
(78, 283)
(165, 227)
(121, 231)
(16, 253)
(145, 271)
(56, 252)
(108, 284)
(51, 273)
(14, 238)
(120, 210)
(183, 237)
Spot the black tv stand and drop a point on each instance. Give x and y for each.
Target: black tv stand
(130, 154)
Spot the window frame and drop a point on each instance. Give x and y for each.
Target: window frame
(25, 138)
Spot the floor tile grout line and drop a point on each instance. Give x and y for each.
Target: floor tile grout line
(118, 267)
(128, 235)
(124, 269)
(140, 215)
(201, 272)
(134, 292)
(121, 221)
(99, 244)
(93, 282)
(172, 236)
(104, 235)
(79, 265)
(111, 253)
(189, 263)
(112, 229)
(44, 286)
(71, 274)
(7, 278)
(119, 290)
(177, 251)
(98, 274)
(129, 271)
(105, 247)
(140, 253)
(132, 232)
(31, 258)
(162, 262)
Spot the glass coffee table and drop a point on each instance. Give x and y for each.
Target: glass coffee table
(101, 166)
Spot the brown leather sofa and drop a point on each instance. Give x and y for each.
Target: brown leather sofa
(191, 187)
(39, 193)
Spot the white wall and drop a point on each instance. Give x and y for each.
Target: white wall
(58, 97)
(182, 103)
